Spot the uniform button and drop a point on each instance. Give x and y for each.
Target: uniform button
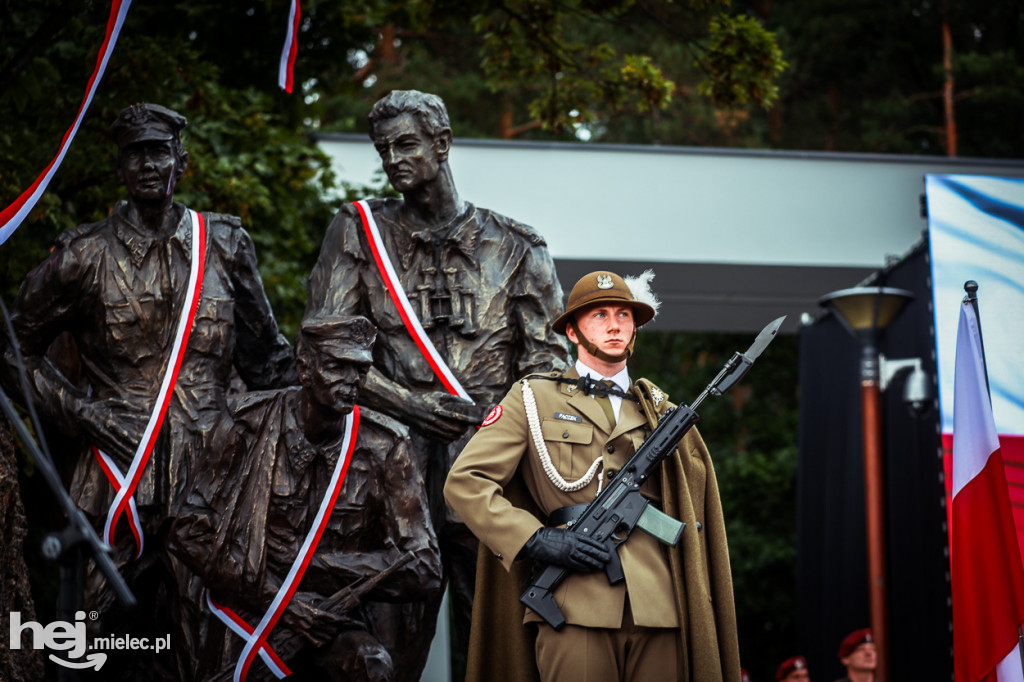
(565, 435)
(611, 473)
(609, 448)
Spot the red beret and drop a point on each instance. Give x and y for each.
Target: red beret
(789, 665)
(854, 640)
(744, 675)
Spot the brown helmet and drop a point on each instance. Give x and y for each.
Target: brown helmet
(602, 287)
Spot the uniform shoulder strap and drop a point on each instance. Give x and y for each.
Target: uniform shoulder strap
(652, 399)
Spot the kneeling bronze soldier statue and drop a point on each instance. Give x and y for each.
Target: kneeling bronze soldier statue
(306, 524)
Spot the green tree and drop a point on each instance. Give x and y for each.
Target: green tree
(570, 69)
(869, 76)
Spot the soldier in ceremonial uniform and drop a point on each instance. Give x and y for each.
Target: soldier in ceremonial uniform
(255, 498)
(857, 653)
(548, 448)
(793, 669)
(461, 296)
(124, 290)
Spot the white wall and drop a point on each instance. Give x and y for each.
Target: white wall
(694, 205)
(736, 237)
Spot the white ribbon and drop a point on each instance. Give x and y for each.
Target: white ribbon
(405, 309)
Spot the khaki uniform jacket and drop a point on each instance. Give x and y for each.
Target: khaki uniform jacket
(689, 587)
(576, 432)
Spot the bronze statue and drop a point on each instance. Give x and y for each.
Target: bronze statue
(152, 288)
(461, 297)
(255, 499)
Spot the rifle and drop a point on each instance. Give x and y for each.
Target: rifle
(620, 507)
(341, 603)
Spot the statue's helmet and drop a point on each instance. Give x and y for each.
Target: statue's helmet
(606, 287)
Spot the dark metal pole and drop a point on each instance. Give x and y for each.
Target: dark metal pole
(971, 287)
(874, 504)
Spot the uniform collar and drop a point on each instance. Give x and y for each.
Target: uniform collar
(621, 380)
(461, 234)
(300, 451)
(630, 414)
(138, 242)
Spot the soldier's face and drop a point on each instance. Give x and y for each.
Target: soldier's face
(609, 327)
(336, 385)
(148, 170)
(864, 657)
(798, 676)
(410, 157)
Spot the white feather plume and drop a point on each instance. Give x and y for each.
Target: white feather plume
(640, 286)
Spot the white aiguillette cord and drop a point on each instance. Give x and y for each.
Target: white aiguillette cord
(533, 419)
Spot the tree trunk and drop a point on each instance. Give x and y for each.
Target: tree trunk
(947, 86)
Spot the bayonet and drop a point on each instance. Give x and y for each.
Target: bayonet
(740, 363)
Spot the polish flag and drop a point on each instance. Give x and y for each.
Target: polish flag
(987, 574)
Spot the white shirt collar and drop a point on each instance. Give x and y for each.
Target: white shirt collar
(621, 379)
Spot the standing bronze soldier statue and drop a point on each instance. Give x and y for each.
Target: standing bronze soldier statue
(254, 501)
(161, 303)
(461, 297)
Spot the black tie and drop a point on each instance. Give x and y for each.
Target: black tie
(606, 404)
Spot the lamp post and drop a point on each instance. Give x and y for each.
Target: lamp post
(865, 312)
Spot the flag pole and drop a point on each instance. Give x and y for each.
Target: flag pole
(971, 287)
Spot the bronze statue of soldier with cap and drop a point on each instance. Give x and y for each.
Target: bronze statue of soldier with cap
(163, 304)
(254, 502)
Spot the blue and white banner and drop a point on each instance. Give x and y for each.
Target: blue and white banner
(976, 232)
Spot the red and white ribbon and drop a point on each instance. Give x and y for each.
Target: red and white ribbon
(12, 216)
(237, 625)
(126, 487)
(117, 481)
(258, 637)
(286, 69)
(405, 309)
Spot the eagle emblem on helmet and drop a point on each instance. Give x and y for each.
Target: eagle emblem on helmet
(604, 282)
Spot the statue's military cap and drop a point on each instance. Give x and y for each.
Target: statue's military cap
(146, 122)
(344, 337)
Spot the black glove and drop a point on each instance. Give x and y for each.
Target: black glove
(565, 548)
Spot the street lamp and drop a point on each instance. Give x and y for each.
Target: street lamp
(865, 312)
